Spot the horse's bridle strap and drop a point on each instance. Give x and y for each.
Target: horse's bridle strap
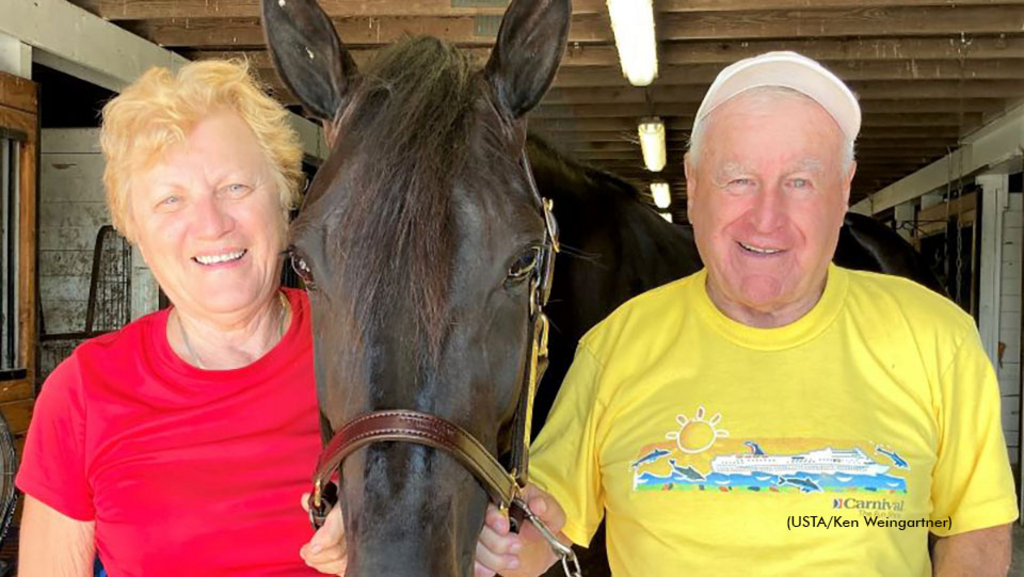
(423, 429)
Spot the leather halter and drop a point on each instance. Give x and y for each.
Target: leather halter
(503, 486)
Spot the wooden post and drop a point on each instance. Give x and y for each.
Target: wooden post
(19, 113)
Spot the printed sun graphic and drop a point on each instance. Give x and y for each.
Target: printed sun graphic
(697, 435)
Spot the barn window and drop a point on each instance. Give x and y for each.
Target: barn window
(11, 364)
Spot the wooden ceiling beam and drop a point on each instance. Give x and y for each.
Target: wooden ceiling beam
(574, 56)
(198, 33)
(704, 74)
(904, 147)
(595, 28)
(145, 9)
(877, 156)
(686, 122)
(948, 46)
(882, 90)
(867, 165)
(838, 22)
(733, 5)
(664, 109)
(869, 133)
(908, 92)
(831, 52)
(148, 9)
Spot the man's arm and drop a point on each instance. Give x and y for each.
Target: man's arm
(53, 544)
(981, 553)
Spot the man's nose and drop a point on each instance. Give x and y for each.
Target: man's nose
(769, 209)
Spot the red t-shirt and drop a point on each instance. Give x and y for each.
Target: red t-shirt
(185, 471)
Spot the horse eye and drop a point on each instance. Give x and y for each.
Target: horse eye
(524, 265)
(302, 269)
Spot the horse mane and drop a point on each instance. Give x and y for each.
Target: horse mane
(567, 164)
(411, 112)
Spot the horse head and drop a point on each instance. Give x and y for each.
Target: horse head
(419, 241)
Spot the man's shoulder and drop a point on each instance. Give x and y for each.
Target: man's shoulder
(886, 297)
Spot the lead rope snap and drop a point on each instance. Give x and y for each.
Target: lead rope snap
(570, 564)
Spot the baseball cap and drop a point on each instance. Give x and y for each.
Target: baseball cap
(788, 70)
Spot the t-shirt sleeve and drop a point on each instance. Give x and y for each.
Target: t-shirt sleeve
(53, 463)
(564, 458)
(972, 484)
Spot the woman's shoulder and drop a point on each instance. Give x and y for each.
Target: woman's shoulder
(130, 337)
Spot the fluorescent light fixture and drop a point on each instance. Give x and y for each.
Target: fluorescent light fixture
(662, 194)
(652, 143)
(633, 25)
(666, 215)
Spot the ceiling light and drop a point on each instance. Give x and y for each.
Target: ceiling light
(662, 194)
(633, 25)
(666, 215)
(652, 143)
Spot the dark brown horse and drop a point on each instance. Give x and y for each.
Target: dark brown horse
(415, 240)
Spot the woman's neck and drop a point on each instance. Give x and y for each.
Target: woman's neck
(218, 344)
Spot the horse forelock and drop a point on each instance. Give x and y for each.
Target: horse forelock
(408, 138)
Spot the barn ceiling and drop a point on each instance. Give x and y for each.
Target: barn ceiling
(927, 71)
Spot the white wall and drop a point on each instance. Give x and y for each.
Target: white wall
(71, 211)
(1010, 322)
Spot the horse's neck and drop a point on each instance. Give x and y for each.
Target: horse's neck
(614, 249)
(627, 248)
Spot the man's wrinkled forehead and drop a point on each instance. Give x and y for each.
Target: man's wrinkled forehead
(730, 169)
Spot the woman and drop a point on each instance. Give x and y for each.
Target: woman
(181, 444)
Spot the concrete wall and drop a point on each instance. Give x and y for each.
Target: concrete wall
(72, 211)
(1010, 322)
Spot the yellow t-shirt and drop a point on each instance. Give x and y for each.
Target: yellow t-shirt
(717, 448)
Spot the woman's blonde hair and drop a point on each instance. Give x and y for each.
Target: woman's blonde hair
(161, 108)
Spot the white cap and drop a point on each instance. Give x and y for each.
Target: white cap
(788, 70)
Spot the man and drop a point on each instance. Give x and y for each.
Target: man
(773, 413)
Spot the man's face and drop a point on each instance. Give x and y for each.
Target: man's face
(767, 198)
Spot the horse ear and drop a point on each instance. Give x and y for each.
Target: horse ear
(530, 44)
(308, 55)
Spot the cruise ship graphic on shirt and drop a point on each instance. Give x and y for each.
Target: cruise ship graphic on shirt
(829, 468)
(827, 461)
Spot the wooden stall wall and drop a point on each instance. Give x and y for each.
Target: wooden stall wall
(19, 112)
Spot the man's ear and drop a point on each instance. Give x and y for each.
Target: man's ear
(691, 182)
(848, 183)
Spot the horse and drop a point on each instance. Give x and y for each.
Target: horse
(424, 244)
(420, 241)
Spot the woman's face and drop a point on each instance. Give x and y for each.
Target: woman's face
(208, 220)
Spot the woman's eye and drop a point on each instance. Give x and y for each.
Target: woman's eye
(170, 200)
(524, 265)
(799, 183)
(236, 189)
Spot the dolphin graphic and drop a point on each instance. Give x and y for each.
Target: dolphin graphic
(805, 485)
(755, 449)
(689, 472)
(897, 460)
(648, 458)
